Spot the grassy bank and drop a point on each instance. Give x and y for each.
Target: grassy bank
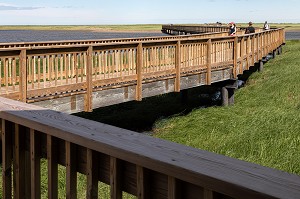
(263, 125)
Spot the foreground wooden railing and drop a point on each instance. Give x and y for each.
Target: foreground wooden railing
(141, 165)
(39, 73)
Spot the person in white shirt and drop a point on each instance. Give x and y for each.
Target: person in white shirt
(266, 26)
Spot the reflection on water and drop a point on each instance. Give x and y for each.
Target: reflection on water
(44, 35)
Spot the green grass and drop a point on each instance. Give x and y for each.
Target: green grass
(263, 125)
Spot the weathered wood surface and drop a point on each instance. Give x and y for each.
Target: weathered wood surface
(174, 170)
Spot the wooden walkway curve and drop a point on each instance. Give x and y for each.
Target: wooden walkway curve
(87, 75)
(127, 161)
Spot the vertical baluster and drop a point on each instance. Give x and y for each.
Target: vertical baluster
(92, 175)
(105, 64)
(72, 66)
(14, 74)
(177, 66)
(9, 71)
(1, 63)
(35, 165)
(95, 65)
(130, 61)
(208, 62)
(6, 129)
(208, 194)
(66, 71)
(19, 162)
(75, 55)
(71, 174)
(61, 65)
(235, 56)
(6, 75)
(49, 69)
(52, 153)
(142, 178)
(121, 62)
(56, 68)
(173, 188)
(39, 71)
(115, 180)
(139, 72)
(81, 66)
(44, 71)
(33, 70)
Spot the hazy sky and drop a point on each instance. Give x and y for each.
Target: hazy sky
(96, 12)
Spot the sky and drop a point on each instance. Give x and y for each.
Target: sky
(105, 12)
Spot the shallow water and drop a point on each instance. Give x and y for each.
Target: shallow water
(40, 35)
(293, 35)
(48, 35)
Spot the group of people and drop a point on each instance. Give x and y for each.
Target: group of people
(250, 29)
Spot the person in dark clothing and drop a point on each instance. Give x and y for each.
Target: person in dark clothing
(250, 29)
(232, 29)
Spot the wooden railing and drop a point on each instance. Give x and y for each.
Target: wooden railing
(140, 165)
(39, 73)
(194, 29)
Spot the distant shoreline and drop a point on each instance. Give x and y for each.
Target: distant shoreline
(289, 27)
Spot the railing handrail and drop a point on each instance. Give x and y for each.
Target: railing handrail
(214, 172)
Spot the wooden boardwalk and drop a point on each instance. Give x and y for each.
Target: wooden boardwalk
(73, 76)
(140, 165)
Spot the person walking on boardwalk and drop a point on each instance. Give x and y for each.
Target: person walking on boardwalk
(232, 29)
(250, 29)
(266, 26)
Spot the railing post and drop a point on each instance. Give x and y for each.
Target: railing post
(208, 62)
(89, 84)
(139, 65)
(235, 56)
(23, 76)
(177, 66)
